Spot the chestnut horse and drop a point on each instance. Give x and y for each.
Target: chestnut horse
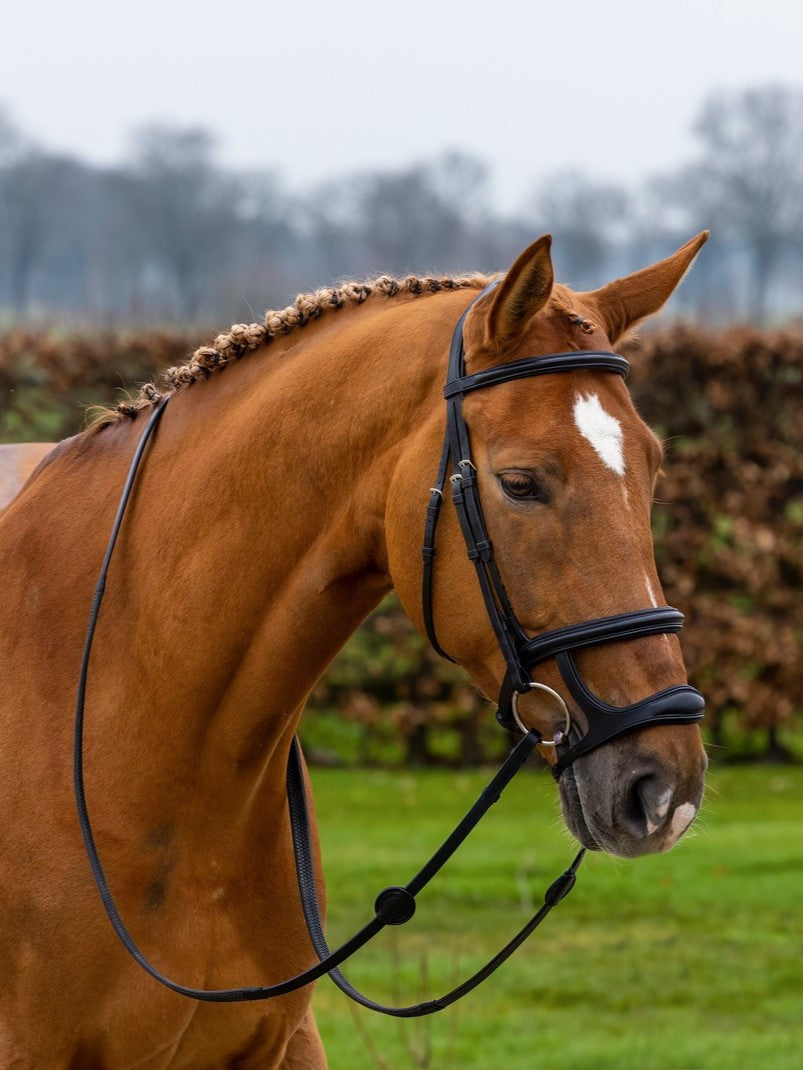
(16, 464)
(281, 499)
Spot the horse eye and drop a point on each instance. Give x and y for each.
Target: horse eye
(522, 486)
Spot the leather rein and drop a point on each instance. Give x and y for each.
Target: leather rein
(396, 905)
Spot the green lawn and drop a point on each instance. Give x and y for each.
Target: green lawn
(690, 960)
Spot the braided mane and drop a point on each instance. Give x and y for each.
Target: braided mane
(244, 338)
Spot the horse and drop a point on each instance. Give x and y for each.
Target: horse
(281, 499)
(17, 462)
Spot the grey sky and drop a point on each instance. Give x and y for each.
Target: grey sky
(321, 87)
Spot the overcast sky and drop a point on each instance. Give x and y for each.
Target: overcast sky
(321, 87)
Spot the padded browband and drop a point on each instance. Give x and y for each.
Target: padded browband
(597, 360)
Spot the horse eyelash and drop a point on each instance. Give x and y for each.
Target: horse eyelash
(585, 325)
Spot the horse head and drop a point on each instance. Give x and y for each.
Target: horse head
(565, 473)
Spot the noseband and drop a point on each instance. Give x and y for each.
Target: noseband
(397, 904)
(673, 705)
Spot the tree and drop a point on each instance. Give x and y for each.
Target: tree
(270, 250)
(584, 217)
(663, 217)
(34, 191)
(10, 139)
(184, 208)
(748, 181)
(418, 218)
(23, 210)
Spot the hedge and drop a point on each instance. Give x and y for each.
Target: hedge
(728, 525)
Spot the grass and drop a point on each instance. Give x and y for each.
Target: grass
(686, 961)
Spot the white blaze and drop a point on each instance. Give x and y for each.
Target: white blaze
(602, 430)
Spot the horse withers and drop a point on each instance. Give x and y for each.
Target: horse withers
(281, 498)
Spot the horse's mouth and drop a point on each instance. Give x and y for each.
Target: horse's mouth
(573, 811)
(594, 832)
(645, 816)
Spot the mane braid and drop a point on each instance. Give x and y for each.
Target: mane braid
(244, 338)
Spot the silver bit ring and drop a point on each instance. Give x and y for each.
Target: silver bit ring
(561, 733)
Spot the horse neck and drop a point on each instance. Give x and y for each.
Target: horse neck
(255, 542)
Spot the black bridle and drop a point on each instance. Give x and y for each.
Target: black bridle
(674, 705)
(396, 905)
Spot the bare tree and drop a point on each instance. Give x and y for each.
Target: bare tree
(22, 211)
(407, 223)
(184, 208)
(271, 246)
(585, 217)
(462, 181)
(10, 139)
(32, 209)
(748, 181)
(664, 214)
(418, 218)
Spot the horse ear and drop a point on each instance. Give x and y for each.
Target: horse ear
(623, 303)
(525, 290)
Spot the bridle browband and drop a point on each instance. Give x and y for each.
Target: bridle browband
(681, 704)
(396, 905)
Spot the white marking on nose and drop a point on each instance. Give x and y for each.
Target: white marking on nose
(681, 819)
(661, 810)
(602, 430)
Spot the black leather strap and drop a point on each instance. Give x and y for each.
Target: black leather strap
(393, 905)
(309, 896)
(525, 367)
(617, 628)
(680, 704)
(428, 550)
(674, 705)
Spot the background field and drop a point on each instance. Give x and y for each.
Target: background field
(685, 961)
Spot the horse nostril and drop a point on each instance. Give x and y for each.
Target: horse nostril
(646, 805)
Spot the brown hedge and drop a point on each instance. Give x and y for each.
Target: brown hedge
(729, 518)
(47, 378)
(729, 526)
